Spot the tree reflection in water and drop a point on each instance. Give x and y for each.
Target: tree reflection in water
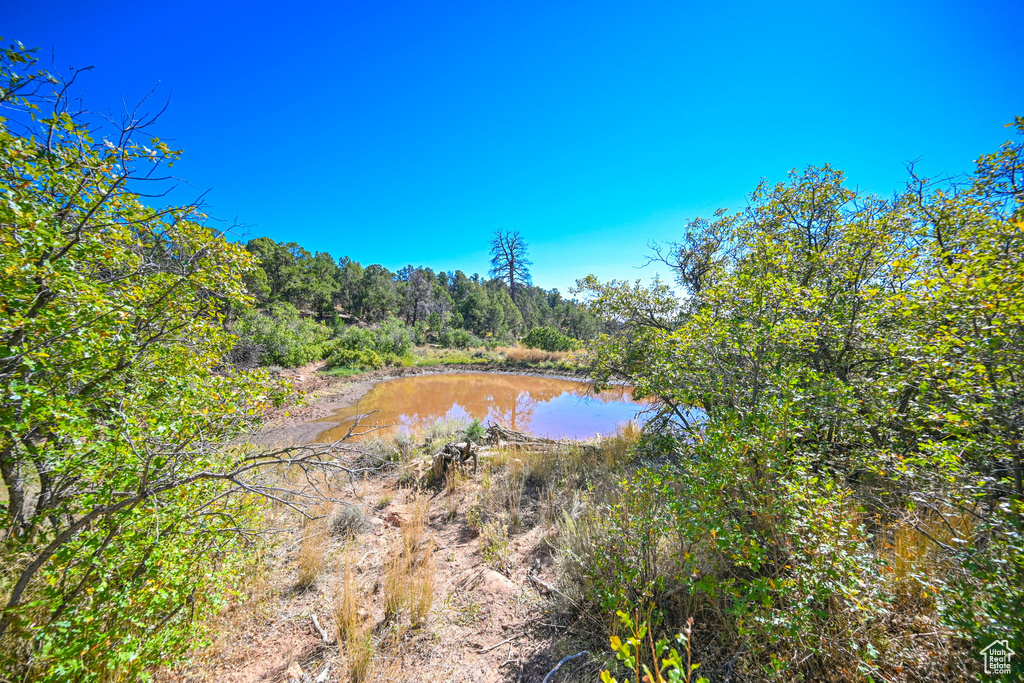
(545, 406)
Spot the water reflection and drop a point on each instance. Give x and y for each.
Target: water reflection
(545, 406)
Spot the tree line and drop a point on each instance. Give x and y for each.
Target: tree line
(300, 291)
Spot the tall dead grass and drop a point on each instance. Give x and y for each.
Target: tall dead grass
(454, 477)
(409, 569)
(313, 551)
(355, 634)
(526, 356)
(914, 548)
(616, 448)
(520, 487)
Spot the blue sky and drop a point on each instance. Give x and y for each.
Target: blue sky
(407, 133)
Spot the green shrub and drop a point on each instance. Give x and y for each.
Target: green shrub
(494, 548)
(475, 431)
(457, 339)
(390, 337)
(353, 359)
(745, 533)
(420, 332)
(666, 662)
(284, 337)
(611, 552)
(355, 338)
(549, 339)
(126, 502)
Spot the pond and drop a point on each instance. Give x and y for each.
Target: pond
(543, 406)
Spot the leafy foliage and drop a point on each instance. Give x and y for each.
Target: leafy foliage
(126, 502)
(855, 366)
(667, 662)
(475, 431)
(356, 359)
(549, 339)
(368, 349)
(282, 336)
(458, 339)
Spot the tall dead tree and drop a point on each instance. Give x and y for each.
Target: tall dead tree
(508, 260)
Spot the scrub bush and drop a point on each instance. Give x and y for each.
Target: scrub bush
(549, 339)
(389, 337)
(848, 503)
(355, 338)
(475, 431)
(457, 339)
(284, 337)
(755, 545)
(128, 496)
(357, 360)
(392, 336)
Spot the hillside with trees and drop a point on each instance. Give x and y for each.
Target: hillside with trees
(304, 303)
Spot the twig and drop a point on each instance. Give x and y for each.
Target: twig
(321, 631)
(543, 584)
(496, 645)
(559, 665)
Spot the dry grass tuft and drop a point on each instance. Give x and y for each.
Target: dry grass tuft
(355, 634)
(346, 604)
(494, 548)
(912, 551)
(409, 569)
(348, 521)
(389, 664)
(395, 584)
(521, 354)
(313, 551)
(453, 479)
(615, 448)
(422, 591)
(549, 506)
(512, 492)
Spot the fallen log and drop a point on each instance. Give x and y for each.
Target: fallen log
(496, 433)
(541, 447)
(502, 437)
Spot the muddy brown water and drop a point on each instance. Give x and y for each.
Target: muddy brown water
(544, 406)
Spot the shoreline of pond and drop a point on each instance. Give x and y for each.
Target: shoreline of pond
(297, 425)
